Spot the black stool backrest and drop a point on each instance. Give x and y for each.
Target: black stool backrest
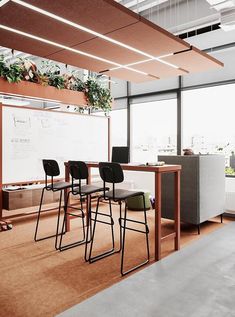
(51, 169)
(120, 154)
(111, 173)
(78, 171)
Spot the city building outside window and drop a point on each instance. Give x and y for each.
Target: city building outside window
(208, 122)
(153, 130)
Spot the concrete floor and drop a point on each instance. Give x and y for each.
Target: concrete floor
(197, 281)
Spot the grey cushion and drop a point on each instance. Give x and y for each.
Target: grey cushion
(60, 185)
(88, 189)
(122, 194)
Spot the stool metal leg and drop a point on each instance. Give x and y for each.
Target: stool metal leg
(65, 218)
(112, 231)
(120, 228)
(146, 231)
(109, 252)
(38, 220)
(77, 243)
(123, 238)
(58, 222)
(38, 217)
(89, 228)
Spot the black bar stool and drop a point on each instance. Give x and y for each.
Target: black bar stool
(51, 169)
(112, 173)
(79, 172)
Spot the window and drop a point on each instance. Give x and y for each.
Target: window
(208, 122)
(153, 129)
(118, 127)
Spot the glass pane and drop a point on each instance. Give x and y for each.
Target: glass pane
(153, 130)
(208, 122)
(118, 127)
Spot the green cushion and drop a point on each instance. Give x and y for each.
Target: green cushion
(136, 203)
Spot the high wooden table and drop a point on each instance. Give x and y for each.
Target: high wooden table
(158, 171)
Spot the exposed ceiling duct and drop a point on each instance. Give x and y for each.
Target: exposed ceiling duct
(227, 13)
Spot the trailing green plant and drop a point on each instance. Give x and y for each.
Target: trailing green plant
(57, 81)
(77, 83)
(14, 73)
(52, 72)
(73, 82)
(49, 73)
(3, 66)
(29, 69)
(98, 97)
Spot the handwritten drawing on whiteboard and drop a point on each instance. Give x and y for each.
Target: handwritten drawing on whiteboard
(21, 148)
(32, 135)
(21, 122)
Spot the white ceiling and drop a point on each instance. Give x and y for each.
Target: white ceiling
(177, 16)
(183, 16)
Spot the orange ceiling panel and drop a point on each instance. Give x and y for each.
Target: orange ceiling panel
(139, 38)
(151, 40)
(110, 51)
(194, 61)
(77, 60)
(24, 44)
(99, 15)
(159, 69)
(35, 23)
(132, 76)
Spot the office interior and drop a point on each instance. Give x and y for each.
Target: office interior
(117, 158)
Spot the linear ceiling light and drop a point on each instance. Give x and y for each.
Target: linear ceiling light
(82, 28)
(132, 64)
(2, 2)
(37, 38)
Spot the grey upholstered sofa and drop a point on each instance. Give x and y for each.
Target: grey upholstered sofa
(202, 188)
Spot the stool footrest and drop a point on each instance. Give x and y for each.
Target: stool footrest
(72, 245)
(48, 237)
(105, 222)
(101, 256)
(74, 215)
(135, 221)
(135, 268)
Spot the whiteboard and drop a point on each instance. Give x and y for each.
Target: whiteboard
(32, 135)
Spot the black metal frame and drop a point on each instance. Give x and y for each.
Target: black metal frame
(66, 214)
(122, 224)
(58, 216)
(81, 173)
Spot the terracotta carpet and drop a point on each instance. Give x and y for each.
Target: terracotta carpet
(36, 280)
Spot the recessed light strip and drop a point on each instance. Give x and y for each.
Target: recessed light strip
(37, 38)
(132, 64)
(141, 62)
(3, 2)
(82, 28)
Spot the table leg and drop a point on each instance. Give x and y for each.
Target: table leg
(177, 210)
(158, 212)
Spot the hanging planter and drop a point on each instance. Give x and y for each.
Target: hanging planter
(32, 90)
(22, 78)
